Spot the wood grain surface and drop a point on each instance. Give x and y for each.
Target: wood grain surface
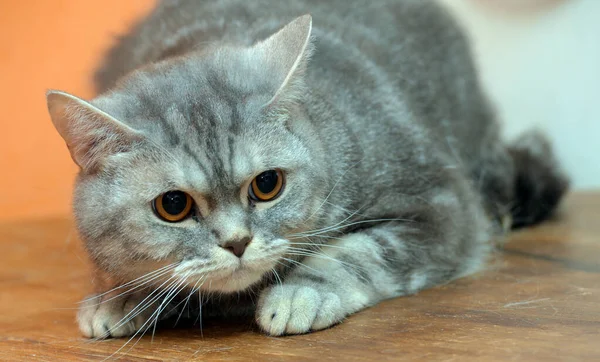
(538, 301)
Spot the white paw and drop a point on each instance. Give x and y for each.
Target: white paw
(295, 309)
(105, 316)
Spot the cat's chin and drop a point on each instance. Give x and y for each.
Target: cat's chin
(233, 278)
(239, 280)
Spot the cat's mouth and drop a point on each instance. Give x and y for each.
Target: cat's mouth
(221, 272)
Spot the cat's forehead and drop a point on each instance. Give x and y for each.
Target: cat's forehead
(203, 91)
(213, 123)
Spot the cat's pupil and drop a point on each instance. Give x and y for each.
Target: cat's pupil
(267, 181)
(174, 202)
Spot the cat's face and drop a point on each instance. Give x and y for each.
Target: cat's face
(209, 163)
(191, 202)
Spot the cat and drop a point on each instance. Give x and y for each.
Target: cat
(300, 173)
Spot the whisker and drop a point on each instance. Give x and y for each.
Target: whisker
(336, 227)
(319, 246)
(346, 210)
(194, 289)
(138, 331)
(200, 311)
(333, 188)
(301, 252)
(174, 291)
(327, 227)
(139, 286)
(277, 276)
(159, 270)
(143, 329)
(141, 306)
(320, 237)
(301, 264)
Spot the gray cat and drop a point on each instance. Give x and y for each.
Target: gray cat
(298, 172)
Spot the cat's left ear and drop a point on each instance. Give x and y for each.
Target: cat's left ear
(90, 133)
(286, 54)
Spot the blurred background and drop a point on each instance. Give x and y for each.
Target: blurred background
(539, 62)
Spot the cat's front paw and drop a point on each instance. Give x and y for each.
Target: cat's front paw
(107, 316)
(296, 309)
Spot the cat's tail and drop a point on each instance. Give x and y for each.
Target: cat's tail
(540, 183)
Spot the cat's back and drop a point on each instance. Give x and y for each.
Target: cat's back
(395, 75)
(377, 28)
(376, 63)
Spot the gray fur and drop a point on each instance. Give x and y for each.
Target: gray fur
(379, 123)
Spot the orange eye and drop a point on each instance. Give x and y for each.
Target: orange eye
(173, 206)
(267, 186)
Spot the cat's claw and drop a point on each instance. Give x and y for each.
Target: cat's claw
(296, 309)
(102, 317)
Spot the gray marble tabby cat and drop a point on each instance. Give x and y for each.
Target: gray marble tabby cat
(300, 167)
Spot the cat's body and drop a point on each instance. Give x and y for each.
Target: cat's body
(391, 154)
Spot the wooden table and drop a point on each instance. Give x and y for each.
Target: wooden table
(539, 301)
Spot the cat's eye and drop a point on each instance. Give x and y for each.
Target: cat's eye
(173, 206)
(267, 186)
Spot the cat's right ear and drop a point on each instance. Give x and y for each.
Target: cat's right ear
(90, 133)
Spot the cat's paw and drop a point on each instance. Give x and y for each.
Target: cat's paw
(106, 316)
(296, 309)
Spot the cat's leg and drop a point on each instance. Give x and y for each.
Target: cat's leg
(447, 238)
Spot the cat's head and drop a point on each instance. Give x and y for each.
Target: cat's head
(207, 161)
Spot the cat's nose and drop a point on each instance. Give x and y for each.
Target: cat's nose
(237, 246)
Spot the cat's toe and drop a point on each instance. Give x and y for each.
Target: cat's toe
(296, 309)
(85, 316)
(275, 308)
(330, 313)
(304, 308)
(105, 318)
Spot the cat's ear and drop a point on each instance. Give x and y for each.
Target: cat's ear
(287, 53)
(90, 134)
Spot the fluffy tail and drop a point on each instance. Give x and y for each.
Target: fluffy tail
(540, 183)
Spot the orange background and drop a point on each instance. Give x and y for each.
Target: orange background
(47, 44)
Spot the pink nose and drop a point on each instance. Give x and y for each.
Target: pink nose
(237, 246)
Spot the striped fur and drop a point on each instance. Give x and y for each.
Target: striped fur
(396, 177)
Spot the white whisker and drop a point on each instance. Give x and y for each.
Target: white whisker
(165, 269)
(319, 246)
(326, 228)
(139, 286)
(141, 306)
(301, 264)
(166, 300)
(301, 252)
(333, 188)
(340, 227)
(153, 317)
(194, 289)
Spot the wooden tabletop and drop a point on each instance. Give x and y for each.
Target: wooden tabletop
(538, 301)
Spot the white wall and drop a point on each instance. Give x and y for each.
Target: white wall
(540, 63)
